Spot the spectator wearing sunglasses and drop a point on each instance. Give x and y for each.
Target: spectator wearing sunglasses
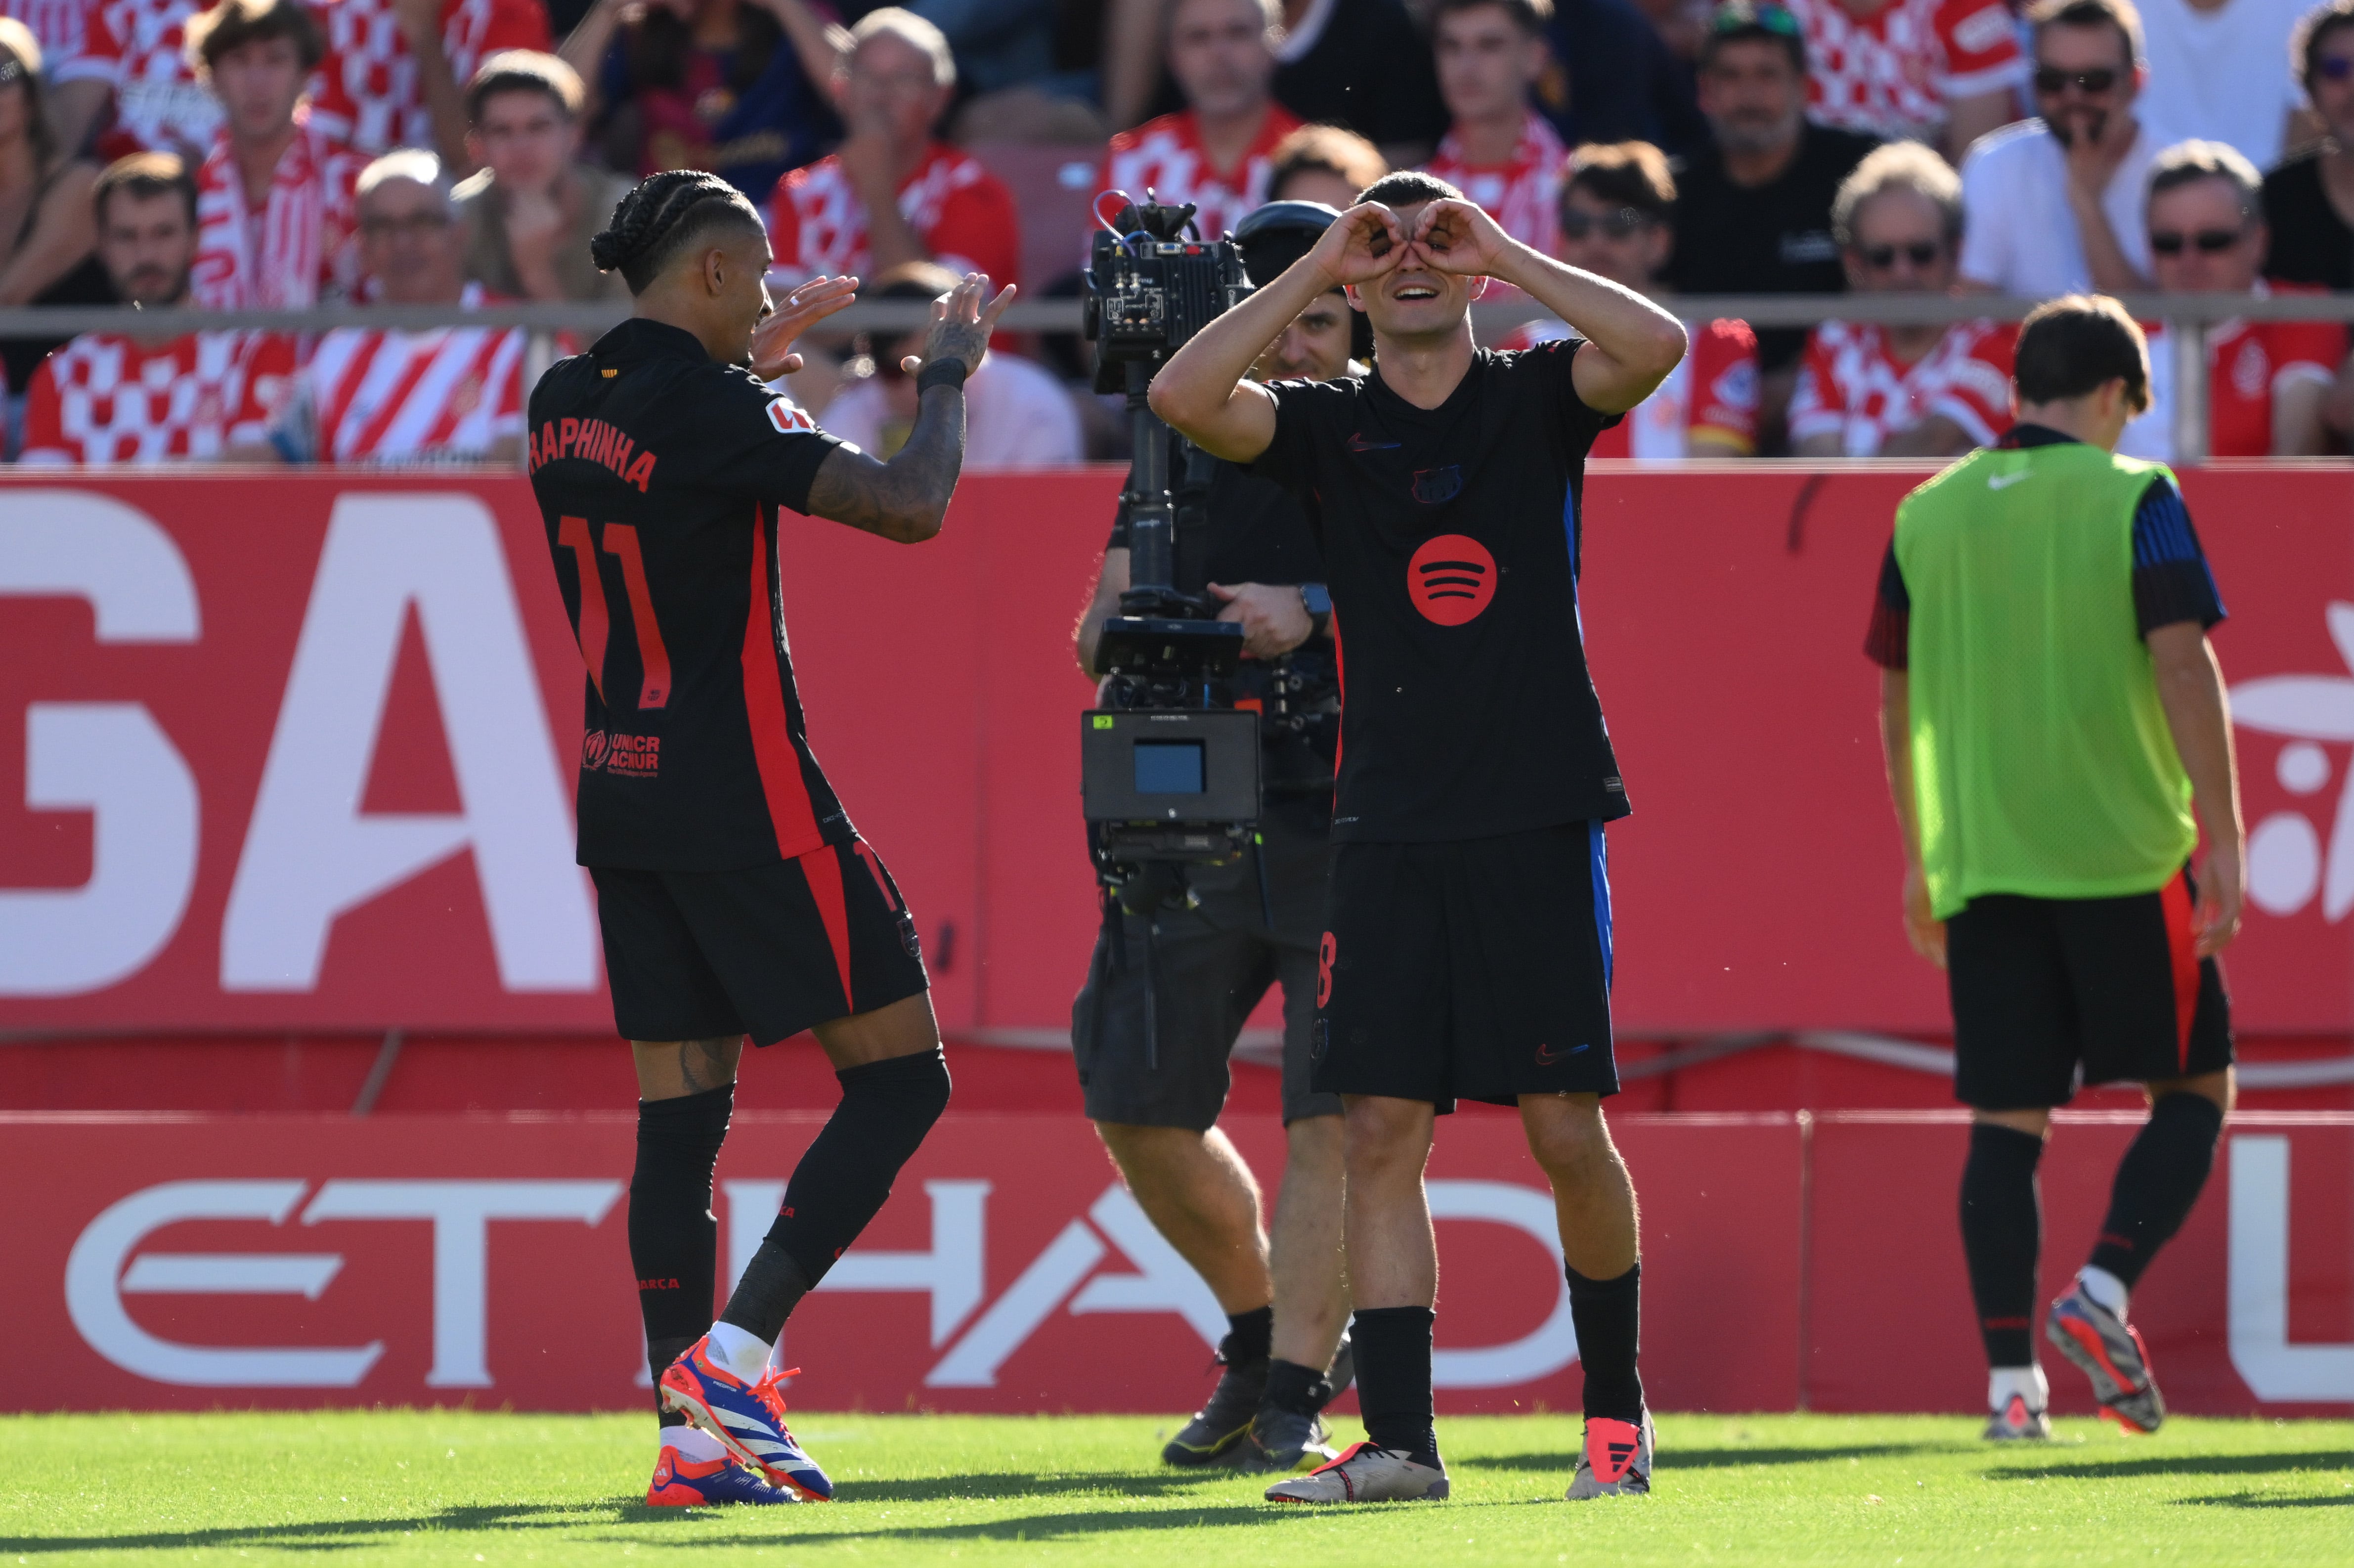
(1017, 415)
(2224, 71)
(1613, 222)
(2267, 382)
(2309, 199)
(1940, 71)
(2055, 204)
(1754, 210)
(1866, 390)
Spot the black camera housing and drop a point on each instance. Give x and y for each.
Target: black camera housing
(1149, 293)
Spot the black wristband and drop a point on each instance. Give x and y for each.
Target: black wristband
(941, 373)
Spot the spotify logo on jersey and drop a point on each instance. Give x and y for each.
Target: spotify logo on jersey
(1451, 578)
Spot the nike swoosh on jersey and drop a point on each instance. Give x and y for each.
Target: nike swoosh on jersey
(2005, 480)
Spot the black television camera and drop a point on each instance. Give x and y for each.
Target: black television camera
(1169, 766)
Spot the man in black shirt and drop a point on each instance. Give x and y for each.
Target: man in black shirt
(1468, 949)
(735, 896)
(1244, 541)
(1754, 213)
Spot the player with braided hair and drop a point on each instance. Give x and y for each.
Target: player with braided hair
(735, 896)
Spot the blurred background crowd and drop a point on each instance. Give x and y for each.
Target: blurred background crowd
(276, 154)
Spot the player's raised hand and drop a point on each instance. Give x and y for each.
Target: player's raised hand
(802, 309)
(962, 320)
(1458, 237)
(1366, 242)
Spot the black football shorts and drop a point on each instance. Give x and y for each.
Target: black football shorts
(1211, 964)
(1475, 969)
(2040, 985)
(764, 950)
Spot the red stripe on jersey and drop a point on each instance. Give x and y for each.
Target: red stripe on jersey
(881, 881)
(823, 869)
(371, 435)
(621, 541)
(2182, 953)
(790, 813)
(573, 534)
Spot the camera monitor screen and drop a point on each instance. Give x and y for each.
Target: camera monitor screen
(1168, 767)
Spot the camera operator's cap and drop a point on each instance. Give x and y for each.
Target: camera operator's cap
(1278, 234)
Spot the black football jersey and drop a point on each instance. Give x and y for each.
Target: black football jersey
(1450, 539)
(659, 473)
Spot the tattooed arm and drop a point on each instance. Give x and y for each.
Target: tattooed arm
(906, 499)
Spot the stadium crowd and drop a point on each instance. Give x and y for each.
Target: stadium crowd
(278, 154)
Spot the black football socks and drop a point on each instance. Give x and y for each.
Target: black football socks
(2002, 1232)
(673, 1238)
(842, 1179)
(1302, 1391)
(1250, 1337)
(1608, 1314)
(2157, 1181)
(1393, 1380)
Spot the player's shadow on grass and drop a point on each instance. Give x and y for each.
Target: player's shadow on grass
(1037, 1527)
(1731, 1457)
(319, 1535)
(2174, 1465)
(983, 1488)
(2258, 1500)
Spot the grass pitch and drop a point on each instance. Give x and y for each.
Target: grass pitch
(460, 1487)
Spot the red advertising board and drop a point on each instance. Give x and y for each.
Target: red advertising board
(189, 1262)
(296, 751)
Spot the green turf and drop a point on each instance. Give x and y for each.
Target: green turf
(447, 1486)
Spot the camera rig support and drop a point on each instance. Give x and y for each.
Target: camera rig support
(1170, 766)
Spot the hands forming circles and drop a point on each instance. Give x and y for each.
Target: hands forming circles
(1453, 237)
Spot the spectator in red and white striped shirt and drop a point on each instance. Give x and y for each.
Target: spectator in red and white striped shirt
(274, 195)
(111, 398)
(381, 398)
(1499, 151)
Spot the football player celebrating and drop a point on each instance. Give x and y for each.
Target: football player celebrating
(735, 896)
(1467, 951)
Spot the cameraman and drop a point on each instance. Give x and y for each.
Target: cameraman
(1243, 543)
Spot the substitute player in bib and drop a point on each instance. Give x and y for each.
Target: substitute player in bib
(2057, 739)
(735, 896)
(1467, 953)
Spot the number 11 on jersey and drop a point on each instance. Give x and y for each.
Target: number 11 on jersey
(654, 659)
